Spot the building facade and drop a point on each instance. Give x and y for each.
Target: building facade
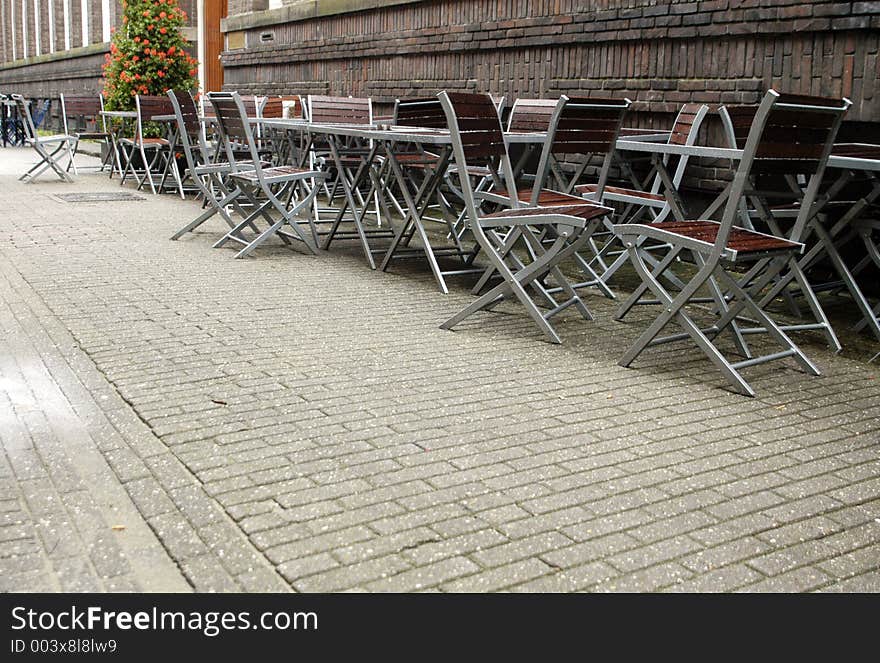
(659, 53)
(49, 47)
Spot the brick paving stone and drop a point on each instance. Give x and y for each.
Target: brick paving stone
(273, 441)
(803, 579)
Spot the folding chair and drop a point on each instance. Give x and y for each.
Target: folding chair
(790, 134)
(782, 184)
(282, 190)
(81, 115)
(160, 149)
(585, 127)
(210, 176)
(47, 147)
(341, 110)
(478, 140)
(526, 116)
(638, 201)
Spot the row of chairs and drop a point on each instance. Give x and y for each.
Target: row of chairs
(526, 233)
(736, 265)
(528, 223)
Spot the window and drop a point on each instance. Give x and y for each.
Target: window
(24, 29)
(84, 12)
(12, 23)
(67, 25)
(38, 33)
(105, 20)
(51, 19)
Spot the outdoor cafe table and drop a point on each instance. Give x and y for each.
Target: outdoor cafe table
(849, 159)
(416, 201)
(384, 141)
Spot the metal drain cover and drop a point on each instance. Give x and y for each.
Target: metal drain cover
(97, 197)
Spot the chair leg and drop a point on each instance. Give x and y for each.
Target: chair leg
(769, 325)
(514, 283)
(674, 310)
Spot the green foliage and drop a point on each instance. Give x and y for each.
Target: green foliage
(147, 55)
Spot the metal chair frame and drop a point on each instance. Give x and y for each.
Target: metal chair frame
(786, 134)
(42, 145)
(282, 190)
(478, 139)
(83, 110)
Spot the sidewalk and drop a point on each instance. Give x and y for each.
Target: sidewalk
(301, 423)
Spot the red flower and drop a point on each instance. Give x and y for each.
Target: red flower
(163, 30)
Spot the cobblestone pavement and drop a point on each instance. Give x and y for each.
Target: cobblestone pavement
(293, 422)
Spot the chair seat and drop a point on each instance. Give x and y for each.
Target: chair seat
(547, 197)
(744, 242)
(473, 171)
(612, 191)
(223, 167)
(276, 174)
(146, 142)
(91, 135)
(584, 211)
(416, 159)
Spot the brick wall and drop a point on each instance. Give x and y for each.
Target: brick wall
(659, 53)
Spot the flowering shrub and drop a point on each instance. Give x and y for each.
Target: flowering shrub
(147, 54)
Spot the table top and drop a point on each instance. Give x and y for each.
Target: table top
(704, 151)
(857, 156)
(861, 156)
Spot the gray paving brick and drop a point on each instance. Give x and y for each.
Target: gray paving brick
(803, 579)
(425, 576)
(569, 580)
(500, 577)
(352, 575)
(724, 579)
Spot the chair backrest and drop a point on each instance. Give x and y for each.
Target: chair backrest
(589, 128)
(477, 141)
(531, 114)
(685, 130)
(84, 109)
(687, 124)
(500, 102)
(25, 117)
(423, 112)
(253, 105)
(784, 135)
(340, 110)
(189, 127)
(233, 127)
(149, 106)
(273, 107)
